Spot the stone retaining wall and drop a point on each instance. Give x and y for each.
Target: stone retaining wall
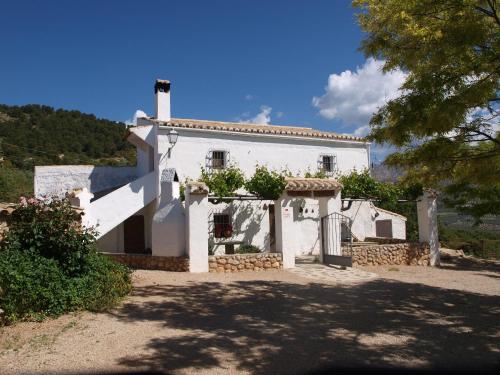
(245, 262)
(390, 254)
(148, 262)
(385, 240)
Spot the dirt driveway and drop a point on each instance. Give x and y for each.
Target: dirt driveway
(274, 322)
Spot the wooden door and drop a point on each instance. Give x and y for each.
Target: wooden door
(133, 235)
(383, 228)
(272, 229)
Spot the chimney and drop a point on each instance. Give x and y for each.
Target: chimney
(162, 99)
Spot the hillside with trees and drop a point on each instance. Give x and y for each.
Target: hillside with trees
(40, 135)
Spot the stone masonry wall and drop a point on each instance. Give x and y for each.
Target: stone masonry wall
(390, 254)
(148, 262)
(385, 240)
(245, 262)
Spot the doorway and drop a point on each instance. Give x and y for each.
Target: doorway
(272, 229)
(133, 235)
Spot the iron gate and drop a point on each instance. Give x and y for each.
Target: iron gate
(336, 236)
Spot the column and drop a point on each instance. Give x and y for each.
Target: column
(427, 224)
(285, 236)
(197, 226)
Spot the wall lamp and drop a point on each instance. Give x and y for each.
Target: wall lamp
(172, 139)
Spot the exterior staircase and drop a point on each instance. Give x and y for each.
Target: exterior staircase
(112, 209)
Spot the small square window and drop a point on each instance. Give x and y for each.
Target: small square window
(218, 159)
(327, 163)
(222, 226)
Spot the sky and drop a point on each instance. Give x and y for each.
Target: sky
(281, 62)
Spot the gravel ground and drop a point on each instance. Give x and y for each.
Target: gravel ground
(274, 322)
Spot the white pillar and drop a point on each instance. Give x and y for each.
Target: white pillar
(285, 236)
(81, 198)
(197, 226)
(168, 222)
(427, 224)
(327, 206)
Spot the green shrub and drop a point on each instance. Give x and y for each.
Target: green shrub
(247, 249)
(49, 265)
(266, 184)
(223, 182)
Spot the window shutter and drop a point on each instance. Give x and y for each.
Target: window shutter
(226, 159)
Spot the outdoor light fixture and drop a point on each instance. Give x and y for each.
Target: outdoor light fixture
(172, 139)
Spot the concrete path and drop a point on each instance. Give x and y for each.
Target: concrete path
(307, 267)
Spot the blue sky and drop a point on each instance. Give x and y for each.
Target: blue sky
(227, 60)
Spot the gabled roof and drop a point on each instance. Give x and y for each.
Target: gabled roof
(255, 128)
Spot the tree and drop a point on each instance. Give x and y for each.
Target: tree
(445, 123)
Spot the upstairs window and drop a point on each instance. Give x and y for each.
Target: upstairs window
(217, 159)
(328, 164)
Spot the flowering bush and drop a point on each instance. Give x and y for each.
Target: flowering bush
(49, 264)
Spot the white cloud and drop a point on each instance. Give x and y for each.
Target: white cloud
(137, 114)
(249, 97)
(263, 117)
(362, 131)
(354, 96)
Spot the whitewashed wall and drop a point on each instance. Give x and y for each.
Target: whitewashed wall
(306, 232)
(250, 221)
(56, 180)
(298, 154)
(363, 218)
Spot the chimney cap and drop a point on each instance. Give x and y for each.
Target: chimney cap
(162, 85)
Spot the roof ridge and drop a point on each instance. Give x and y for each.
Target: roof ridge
(243, 123)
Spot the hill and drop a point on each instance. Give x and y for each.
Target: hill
(40, 135)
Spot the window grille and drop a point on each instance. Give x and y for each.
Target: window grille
(328, 164)
(217, 159)
(222, 226)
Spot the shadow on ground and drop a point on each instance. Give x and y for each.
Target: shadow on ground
(271, 327)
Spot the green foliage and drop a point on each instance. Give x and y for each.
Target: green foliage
(266, 184)
(223, 182)
(247, 249)
(362, 186)
(318, 174)
(444, 122)
(14, 183)
(49, 265)
(52, 230)
(474, 241)
(39, 135)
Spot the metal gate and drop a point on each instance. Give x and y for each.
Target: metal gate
(336, 236)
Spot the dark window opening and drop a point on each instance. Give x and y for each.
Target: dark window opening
(218, 159)
(222, 226)
(328, 163)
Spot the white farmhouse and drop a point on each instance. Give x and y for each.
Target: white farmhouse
(138, 210)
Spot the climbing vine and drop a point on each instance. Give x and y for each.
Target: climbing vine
(266, 184)
(223, 182)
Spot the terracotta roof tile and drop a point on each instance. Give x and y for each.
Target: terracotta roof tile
(312, 184)
(255, 128)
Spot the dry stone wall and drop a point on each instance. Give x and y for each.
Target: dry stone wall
(245, 262)
(385, 240)
(415, 254)
(148, 262)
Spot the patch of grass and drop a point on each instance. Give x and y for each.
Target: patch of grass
(393, 269)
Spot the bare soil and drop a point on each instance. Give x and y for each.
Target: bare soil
(274, 322)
